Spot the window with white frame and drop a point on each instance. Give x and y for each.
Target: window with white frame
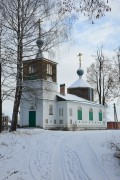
(61, 121)
(91, 114)
(32, 69)
(70, 111)
(70, 121)
(50, 109)
(49, 69)
(100, 115)
(79, 113)
(46, 121)
(60, 111)
(54, 121)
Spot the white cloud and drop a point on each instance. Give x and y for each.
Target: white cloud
(115, 8)
(7, 108)
(96, 35)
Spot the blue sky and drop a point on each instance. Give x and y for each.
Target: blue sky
(86, 38)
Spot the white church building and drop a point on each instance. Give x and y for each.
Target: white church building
(43, 106)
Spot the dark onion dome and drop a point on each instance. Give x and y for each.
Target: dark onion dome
(39, 43)
(80, 71)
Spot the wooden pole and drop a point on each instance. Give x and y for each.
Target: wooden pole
(119, 62)
(0, 103)
(115, 117)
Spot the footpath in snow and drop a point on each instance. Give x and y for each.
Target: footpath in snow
(35, 154)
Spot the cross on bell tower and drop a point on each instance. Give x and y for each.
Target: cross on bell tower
(39, 41)
(39, 26)
(80, 54)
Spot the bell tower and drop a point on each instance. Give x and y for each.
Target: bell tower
(40, 73)
(40, 67)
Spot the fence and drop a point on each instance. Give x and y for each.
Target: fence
(113, 125)
(5, 122)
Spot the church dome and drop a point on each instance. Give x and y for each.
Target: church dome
(80, 71)
(39, 43)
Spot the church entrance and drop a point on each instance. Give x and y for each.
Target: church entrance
(32, 118)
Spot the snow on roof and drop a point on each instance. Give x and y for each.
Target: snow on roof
(80, 83)
(74, 98)
(38, 59)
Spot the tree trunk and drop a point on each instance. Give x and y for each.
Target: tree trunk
(0, 84)
(18, 91)
(16, 109)
(103, 101)
(100, 99)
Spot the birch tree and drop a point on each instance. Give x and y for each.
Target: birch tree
(2, 61)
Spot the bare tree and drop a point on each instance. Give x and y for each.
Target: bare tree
(115, 87)
(94, 9)
(1, 63)
(99, 76)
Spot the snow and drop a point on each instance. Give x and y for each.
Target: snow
(71, 97)
(36, 154)
(80, 83)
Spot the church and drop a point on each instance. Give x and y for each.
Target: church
(42, 105)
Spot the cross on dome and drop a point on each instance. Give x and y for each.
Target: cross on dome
(80, 71)
(39, 26)
(80, 54)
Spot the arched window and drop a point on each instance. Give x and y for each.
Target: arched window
(49, 69)
(79, 112)
(100, 115)
(60, 111)
(91, 114)
(50, 109)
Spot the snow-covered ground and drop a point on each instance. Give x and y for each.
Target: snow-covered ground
(35, 154)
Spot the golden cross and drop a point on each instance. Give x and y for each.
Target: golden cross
(80, 58)
(39, 22)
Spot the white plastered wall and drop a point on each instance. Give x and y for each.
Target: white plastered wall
(85, 122)
(25, 107)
